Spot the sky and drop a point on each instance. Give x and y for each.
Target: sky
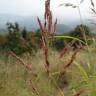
(36, 8)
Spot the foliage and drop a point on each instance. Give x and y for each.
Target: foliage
(17, 40)
(79, 31)
(59, 44)
(76, 34)
(3, 41)
(38, 38)
(14, 38)
(24, 33)
(20, 41)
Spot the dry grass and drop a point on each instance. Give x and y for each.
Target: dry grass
(26, 75)
(15, 78)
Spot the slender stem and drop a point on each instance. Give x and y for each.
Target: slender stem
(84, 36)
(55, 83)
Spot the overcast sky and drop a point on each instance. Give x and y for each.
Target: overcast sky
(36, 7)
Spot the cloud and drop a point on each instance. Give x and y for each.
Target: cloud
(36, 7)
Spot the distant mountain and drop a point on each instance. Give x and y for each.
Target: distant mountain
(31, 24)
(28, 22)
(61, 28)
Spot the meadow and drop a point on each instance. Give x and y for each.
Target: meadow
(45, 67)
(16, 79)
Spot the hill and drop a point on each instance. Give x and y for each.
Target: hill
(31, 24)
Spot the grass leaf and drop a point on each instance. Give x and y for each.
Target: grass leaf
(82, 72)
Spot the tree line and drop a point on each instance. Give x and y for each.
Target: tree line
(20, 40)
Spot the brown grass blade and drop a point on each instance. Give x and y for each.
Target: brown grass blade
(73, 57)
(23, 63)
(66, 48)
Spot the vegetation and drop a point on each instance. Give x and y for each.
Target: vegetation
(20, 41)
(43, 63)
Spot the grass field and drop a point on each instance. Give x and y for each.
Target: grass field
(17, 80)
(47, 72)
